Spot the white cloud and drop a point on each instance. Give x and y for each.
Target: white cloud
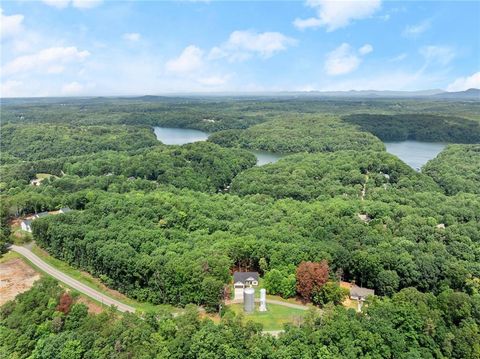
(465, 83)
(59, 4)
(10, 25)
(365, 49)
(86, 4)
(344, 60)
(242, 45)
(399, 57)
(442, 55)
(52, 60)
(214, 80)
(10, 88)
(191, 59)
(73, 88)
(313, 22)
(415, 30)
(79, 4)
(335, 14)
(131, 36)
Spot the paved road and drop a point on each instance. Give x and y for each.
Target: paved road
(82, 288)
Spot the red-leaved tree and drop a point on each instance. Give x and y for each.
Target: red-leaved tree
(65, 303)
(311, 276)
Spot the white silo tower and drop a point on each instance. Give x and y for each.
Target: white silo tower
(263, 300)
(249, 300)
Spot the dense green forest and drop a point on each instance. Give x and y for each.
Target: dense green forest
(200, 166)
(299, 134)
(457, 169)
(46, 322)
(169, 224)
(420, 127)
(41, 141)
(163, 246)
(325, 175)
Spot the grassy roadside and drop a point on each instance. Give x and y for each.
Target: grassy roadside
(95, 283)
(8, 256)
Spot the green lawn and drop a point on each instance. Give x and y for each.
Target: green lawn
(95, 283)
(275, 316)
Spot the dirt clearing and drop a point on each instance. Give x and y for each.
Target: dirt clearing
(15, 277)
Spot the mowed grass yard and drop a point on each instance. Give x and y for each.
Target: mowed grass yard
(275, 316)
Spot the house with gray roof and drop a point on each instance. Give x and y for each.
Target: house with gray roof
(246, 278)
(242, 280)
(360, 293)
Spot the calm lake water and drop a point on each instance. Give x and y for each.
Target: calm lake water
(264, 157)
(181, 136)
(415, 153)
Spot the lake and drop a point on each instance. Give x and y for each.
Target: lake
(415, 153)
(264, 157)
(181, 136)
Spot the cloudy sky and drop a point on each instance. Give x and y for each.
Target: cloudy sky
(94, 47)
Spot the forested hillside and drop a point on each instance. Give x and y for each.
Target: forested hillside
(325, 175)
(419, 127)
(165, 247)
(457, 169)
(169, 224)
(199, 166)
(300, 134)
(39, 142)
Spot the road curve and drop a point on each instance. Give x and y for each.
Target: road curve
(82, 288)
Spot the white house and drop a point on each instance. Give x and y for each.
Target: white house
(36, 182)
(242, 280)
(360, 294)
(64, 210)
(26, 225)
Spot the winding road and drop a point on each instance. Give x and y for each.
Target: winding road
(75, 284)
(100, 297)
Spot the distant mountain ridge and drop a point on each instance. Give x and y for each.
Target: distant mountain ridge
(470, 94)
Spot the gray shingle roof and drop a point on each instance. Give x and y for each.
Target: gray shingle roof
(357, 291)
(243, 276)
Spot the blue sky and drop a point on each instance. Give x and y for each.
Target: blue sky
(93, 47)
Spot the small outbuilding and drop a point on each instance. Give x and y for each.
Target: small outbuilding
(64, 210)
